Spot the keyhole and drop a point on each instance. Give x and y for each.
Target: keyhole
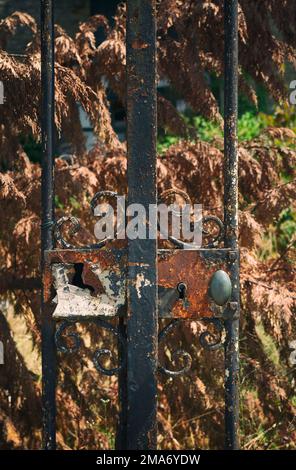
(181, 288)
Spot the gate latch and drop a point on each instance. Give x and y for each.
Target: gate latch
(92, 283)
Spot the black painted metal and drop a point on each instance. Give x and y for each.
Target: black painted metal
(231, 222)
(142, 262)
(47, 191)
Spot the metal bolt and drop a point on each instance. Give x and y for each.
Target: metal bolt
(232, 256)
(233, 306)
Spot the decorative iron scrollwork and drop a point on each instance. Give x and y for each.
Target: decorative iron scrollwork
(57, 231)
(209, 220)
(62, 334)
(179, 355)
(213, 341)
(60, 340)
(174, 192)
(207, 339)
(99, 195)
(213, 227)
(216, 238)
(76, 226)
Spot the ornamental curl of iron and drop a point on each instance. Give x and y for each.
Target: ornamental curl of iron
(75, 224)
(214, 220)
(213, 341)
(216, 239)
(177, 355)
(57, 230)
(62, 334)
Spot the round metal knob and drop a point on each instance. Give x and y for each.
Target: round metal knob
(220, 287)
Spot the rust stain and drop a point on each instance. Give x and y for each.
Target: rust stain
(195, 271)
(174, 267)
(110, 259)
(138, 44)
(47, 283)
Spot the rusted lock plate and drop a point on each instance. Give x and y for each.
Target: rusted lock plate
(89, 283)
(85, 283)
(194, 268)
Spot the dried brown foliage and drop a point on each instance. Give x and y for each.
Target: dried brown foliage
(190, 42)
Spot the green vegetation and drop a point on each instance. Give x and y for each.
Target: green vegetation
(250, 125)
(280, 236)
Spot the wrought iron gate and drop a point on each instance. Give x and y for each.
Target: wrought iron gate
(144, 283)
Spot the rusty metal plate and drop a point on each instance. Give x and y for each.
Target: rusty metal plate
(195, 269)
(85, 283)
(91, 283)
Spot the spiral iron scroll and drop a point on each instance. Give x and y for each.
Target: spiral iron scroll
(75, 224)
(208, 341)
(210, 219)
(177, 355)
(62, 334)
(211, 341)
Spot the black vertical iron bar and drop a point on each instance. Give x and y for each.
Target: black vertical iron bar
(47, 191)
(231, 222)
(142, 262)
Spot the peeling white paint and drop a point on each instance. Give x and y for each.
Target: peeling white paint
(223, 336)
(141, 282)
(117, 297)
(73, 301)
(61, 273)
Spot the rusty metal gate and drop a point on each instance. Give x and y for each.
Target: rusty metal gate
(138, 283)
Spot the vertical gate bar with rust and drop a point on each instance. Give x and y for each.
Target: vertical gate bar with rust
(47, 191)
(231, 221)
(142, 262)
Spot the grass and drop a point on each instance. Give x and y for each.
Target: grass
(268, 345)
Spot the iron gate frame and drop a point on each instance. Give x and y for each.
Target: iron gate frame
(137, 428)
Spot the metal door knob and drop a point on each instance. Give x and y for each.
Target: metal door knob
(220, 287)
